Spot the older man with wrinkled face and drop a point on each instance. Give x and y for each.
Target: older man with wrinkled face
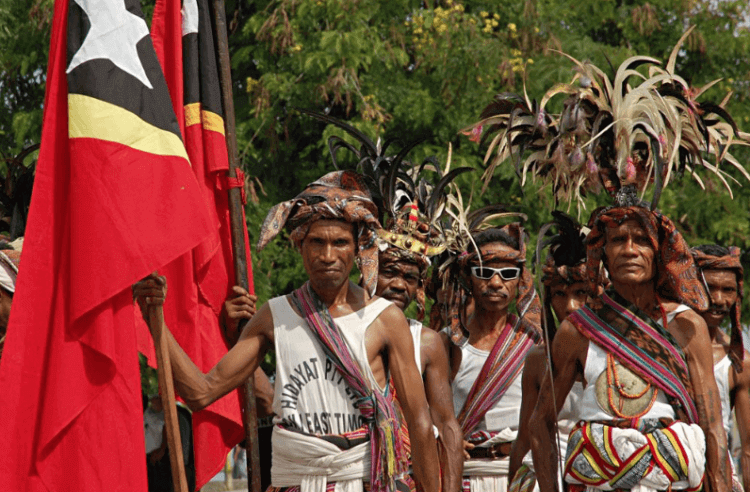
(336, 349)
(644, 355)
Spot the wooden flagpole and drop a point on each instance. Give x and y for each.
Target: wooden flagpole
(166, 389)
(238, 231)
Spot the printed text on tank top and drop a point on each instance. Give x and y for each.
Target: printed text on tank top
(310, 394)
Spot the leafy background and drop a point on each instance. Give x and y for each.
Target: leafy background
(407, 70)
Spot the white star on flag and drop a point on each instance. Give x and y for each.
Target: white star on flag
(113, 35)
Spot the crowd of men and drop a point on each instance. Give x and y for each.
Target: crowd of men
(620, 373)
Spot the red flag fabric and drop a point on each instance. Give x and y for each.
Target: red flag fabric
(199, 282)
(114, 199)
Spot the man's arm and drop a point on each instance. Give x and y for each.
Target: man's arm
(410, 390)
(440, 400)
(240, 305)
(742, 412)
(263, 391)
(692, 333)
(197, 389)
(569, 349)
(533, 372)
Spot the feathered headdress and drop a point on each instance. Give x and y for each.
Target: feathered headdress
(612, 134)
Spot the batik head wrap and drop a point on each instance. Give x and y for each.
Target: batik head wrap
(527, 301)
(340, 195)
(676, 274)
(729, 262)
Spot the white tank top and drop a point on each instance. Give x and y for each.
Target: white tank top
(506, 412)
(721, 373)
(596, 364)
(568, 416)
(416, 335)
(310, 394)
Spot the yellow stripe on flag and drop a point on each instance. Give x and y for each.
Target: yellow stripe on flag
(89, 117)
(194, 115)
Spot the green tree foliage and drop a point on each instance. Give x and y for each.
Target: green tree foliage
(407, 69)
(24, 37)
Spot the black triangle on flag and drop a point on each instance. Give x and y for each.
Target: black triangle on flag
(115, 72)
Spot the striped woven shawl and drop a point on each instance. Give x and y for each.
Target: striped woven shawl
(387, 450)
(642, 346)
(502, 366)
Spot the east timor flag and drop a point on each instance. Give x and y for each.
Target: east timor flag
(114, 199)
(185, 46)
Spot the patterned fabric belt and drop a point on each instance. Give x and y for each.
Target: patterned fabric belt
(645, 426)
(405, 484)
(500, 450)
(343, 441)
(330, 487)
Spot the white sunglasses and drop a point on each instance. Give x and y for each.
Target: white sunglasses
(486, 273)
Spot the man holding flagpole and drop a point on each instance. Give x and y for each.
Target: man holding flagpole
(114, 199)
(335, 347)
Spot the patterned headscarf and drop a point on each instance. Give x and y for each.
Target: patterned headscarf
(340, 195)
(729, 262)
(527, 304)
(676, 275)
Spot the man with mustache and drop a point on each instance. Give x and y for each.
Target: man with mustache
(336, 346)
(488, 351)
(722, 273)
(650, 416)
(401, 280)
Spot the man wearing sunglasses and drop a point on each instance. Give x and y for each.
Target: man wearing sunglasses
(645, 357)
(489, 347)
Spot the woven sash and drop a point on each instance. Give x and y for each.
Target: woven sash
(502, 366)
(387, 451)
(641, 345)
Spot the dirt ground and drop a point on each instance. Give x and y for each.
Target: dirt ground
(221, 486)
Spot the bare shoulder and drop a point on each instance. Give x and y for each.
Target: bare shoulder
(431, 344)
(536, 355)
(535, 365)
(390, 325)
(569, 338)
(691, 332)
